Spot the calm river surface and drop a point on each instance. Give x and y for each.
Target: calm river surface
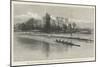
(29, 48)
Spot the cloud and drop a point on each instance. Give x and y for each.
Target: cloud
(29, 15)
(24, 17)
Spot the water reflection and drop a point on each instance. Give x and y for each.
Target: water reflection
(45, 47)
(33, 44)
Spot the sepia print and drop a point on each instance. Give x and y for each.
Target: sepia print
(45, 33)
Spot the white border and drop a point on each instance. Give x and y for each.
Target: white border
(52, 4)
(52, 61)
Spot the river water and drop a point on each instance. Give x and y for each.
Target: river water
(28, 48)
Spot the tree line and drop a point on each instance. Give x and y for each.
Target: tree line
(47, 27)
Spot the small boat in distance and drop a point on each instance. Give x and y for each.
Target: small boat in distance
(66, 42)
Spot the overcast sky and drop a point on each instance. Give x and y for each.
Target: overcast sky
(76, 13)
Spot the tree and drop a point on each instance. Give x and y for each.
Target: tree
(47, 26)
(29, 24)
(26, 26)
(64, 27)
(74, 27)
(22, 27)
(70, 28)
